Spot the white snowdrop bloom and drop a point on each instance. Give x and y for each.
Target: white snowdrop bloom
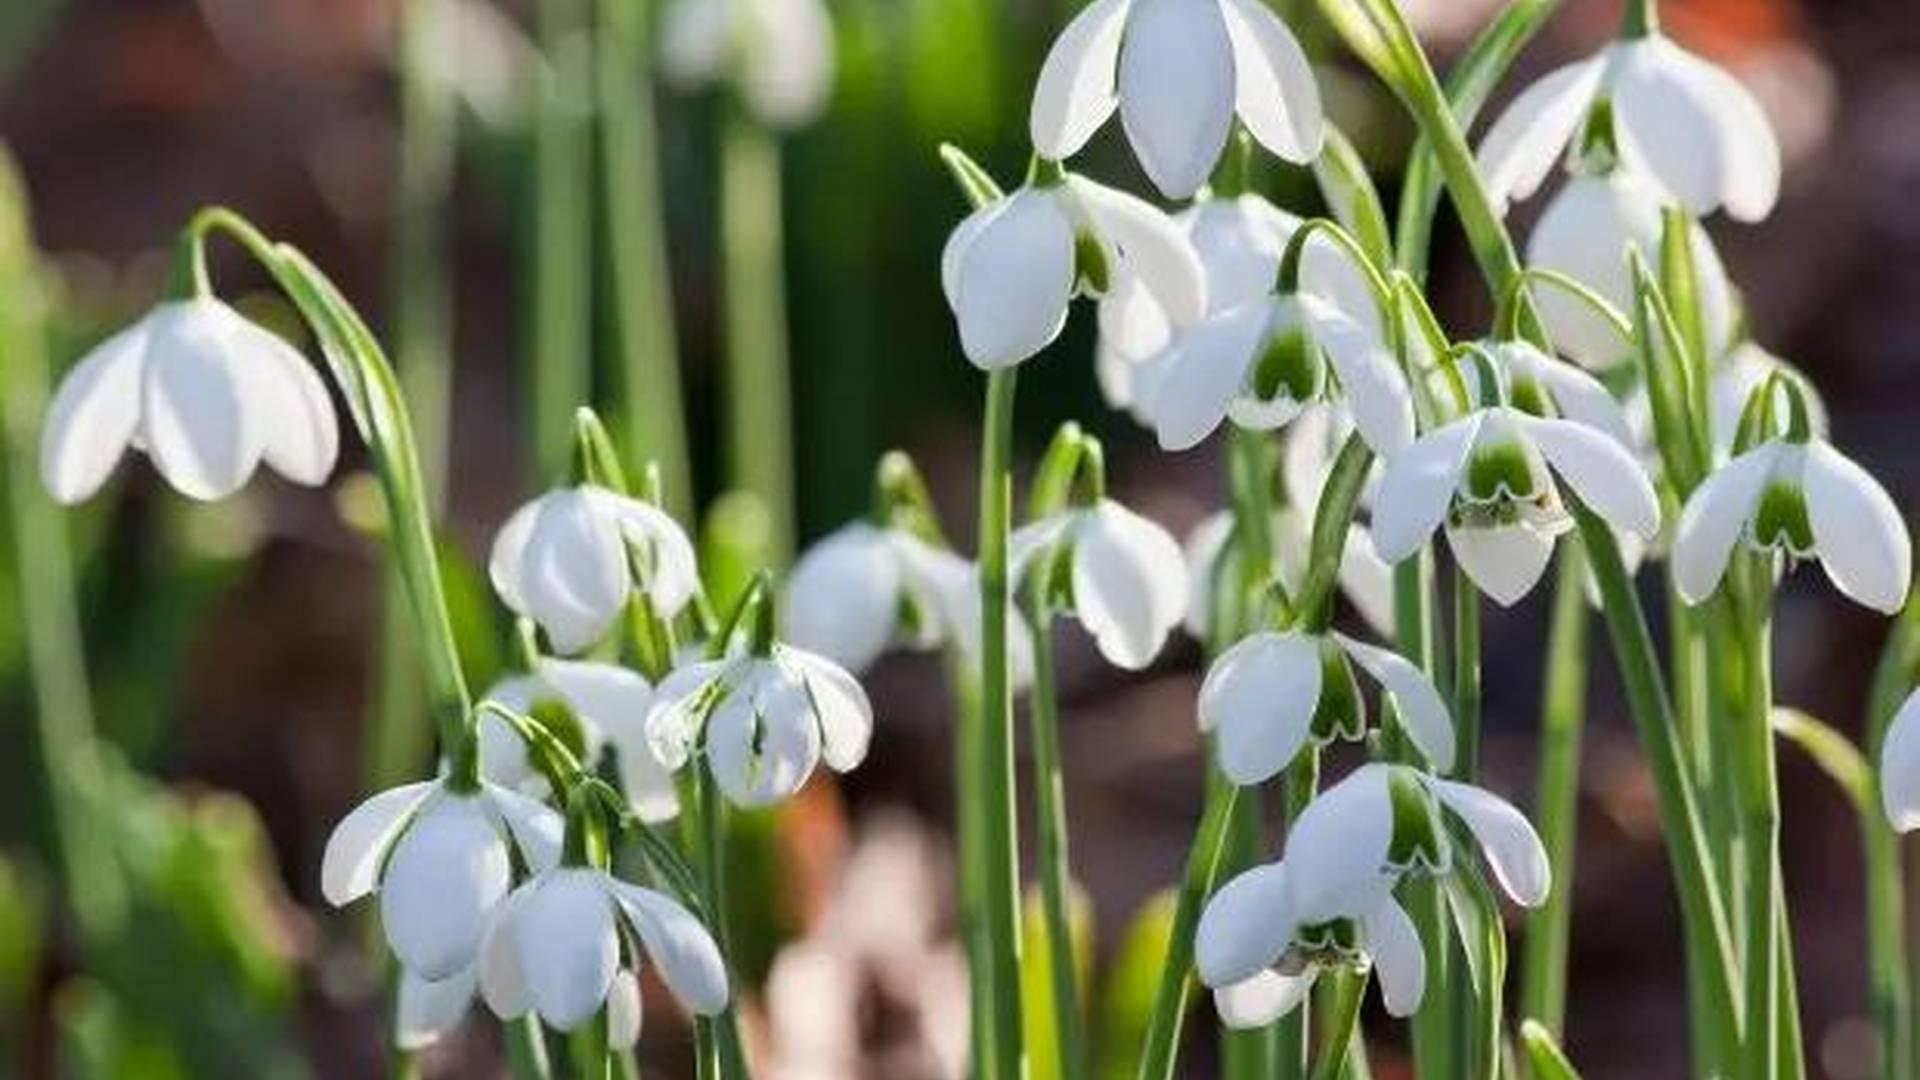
(1542, 385)
(568, 560)
(555, 947)
(1179, 71)
(426, 1010)
(1686, 123)
(764, 722)
(1011, 267)
(440, 860)
(203, 392)
(1273, 691)
(1492, 477)
(1119, 574)
(1900, 767)
(1743, 371)
(1586, 233)
(1330, 900)
(1806, 500)
(587, 705)
(778, 53)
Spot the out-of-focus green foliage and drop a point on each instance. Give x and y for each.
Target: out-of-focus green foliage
(23, 929)
(1127, 993)
(1036, 978)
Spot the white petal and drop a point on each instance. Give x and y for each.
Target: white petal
(1275, 93)
(446, 873)
(568, 949)
(1513, 849)
(1376, 391)
(1696, 129)
(1900, 767)
(786, 64)
(763, 745)
(504, 757)
(1134, 331)
(1601, 470)
(1505, 561)
(1074, 94)
(1259, 699)
(843, 597)
(574, 571)
(1585, 233)
(508, 555)
(1205, 370)
(1422, 712)
(296, 418)
(1262, 998)
(1398, 957)
(1129, 584)
(93, 416)
(1418, 486)
(350, 867)
(1337, 850)
(1012, 281)
(840, 705)
(1245, 926)
(1857, 530)
(1031, 541)
(694, 38)
(674, 722)
(623, 1011)
(1523, 144)
(1151, 246)
(1177, 90)
(605, 697)
(1582, 398)
(646, 782)
(1366, 580)
(959, 242)
(1201, 550)
(537, 829)
(688, 959)
(665, 554)
(502, 982)
(427, 1010)
(1715, 518)
(195, 419)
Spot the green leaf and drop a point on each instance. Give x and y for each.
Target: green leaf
(1036, 978)
(1833, 752)
(975, 182)
(1349, 193)
(1483, 940)
(1127, 993)
(1545, 1059)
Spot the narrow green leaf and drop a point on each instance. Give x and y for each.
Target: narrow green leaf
(1833, 752)
(1126, 994)
(975, 182)
(1351, 196)
(1545, 1059)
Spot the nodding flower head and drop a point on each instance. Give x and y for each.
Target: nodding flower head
(1118, 573)
(587, 705)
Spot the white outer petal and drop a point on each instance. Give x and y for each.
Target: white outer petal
(1177, 88)
(762, 743)
(1013, 274)
(1716, 517)
(503, 985)
(1129, 583)
(427, 1010)
(1274, 92)
(623, 1011)
(537, 829)
(1205, 370)
(672, 725)
(568, 948)
(196, 420)
(843, 596)
(1337, 851)
(1900, 767)
(1398, 957)
(840, 705)
(508, 555)
(1245, 926)
(1696, 128)
(1422, 712)
(1151, 246)
(1519, 150)
(605, 697)
(1585, 233)
(94, 416)
(1513, 849)
(1505, 561)
(1074, 94)
(1376, 391)
(1201, 551)
(1261, 998)
(295, 416)
(1583, 398)
(1858, 532)
(447, 871)
(1599, 469)
(573, 571)
(1259, 698)
(1419, 485)
(686, 955)
(672, 575)
(350, 867)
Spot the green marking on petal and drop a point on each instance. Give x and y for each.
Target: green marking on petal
(1781, 520)
(1342, 712)
(1499, 471)
(559, 721)
(1419, 839)
(1090, 264)
(1288, 367)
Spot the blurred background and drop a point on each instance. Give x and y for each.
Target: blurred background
(235, 653)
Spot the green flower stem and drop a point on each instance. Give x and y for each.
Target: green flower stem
(1563, 711)
(1289, 1047)
(1465, 998)
(969, 827)
(999, 840)
(1889, 979)
(1248, 1055)
(712, 811)
(1050, 830)
(1170, 998)
(640, 286)
(1642, 18)
(560, 272)
(759, 421)
(1753, 761)
(1342, 1026)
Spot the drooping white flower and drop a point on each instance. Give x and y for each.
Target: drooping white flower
(1900, 767)
(1330, 900)
(1586, 232)
(556, 947)
(1126, 581)
(764, 722)
(1273, 691)
(777, 53)
(203, 392)
(1179, 71)
(425, 1010)
(1804, 499)
(440, 860)
(1011, 267)
(1684, 122)
(1493, 478)
(598, 704)
(568, 560)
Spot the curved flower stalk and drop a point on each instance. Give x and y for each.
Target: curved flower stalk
(588, 705)
(559, 946)
(1118, 573)
(1012, 266)
(778, 54)
(1297, 343)
(440, 859)
(1275, 691)
(569, 559)
(1492, 478)
(764, 720)
(203, 392)
(1741, 373)
(1269, 933)
(1179, 71)
(1688, 125)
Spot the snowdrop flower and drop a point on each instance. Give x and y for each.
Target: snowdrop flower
(1011, 267)
(1492, 477)
(1801, 497)
(554, 947)
(1900, 767)
(568, 560)
(426, 1011)
(203, 392)
(1179, 71)
(1734, 380)
(586, 704)
(1264, 935)
(779, 53)
(1542, 385)
(1273, 691)
(764, 721)
(1123, 576)
(1682, 121)
(440, 860)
